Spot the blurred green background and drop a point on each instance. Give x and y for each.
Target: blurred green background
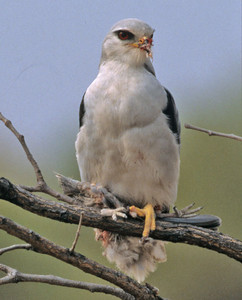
(50, 55)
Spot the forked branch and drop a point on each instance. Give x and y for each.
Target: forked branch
(41, 184)
(15, 276)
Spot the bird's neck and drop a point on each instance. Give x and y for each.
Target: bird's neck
(117, 67)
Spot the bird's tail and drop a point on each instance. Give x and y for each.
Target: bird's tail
(131, 256)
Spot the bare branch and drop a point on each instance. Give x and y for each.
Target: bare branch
(90, 216)
(15, 247)
(41, 184)
(77, 234)
(210, 132)
(20, 137)
(44, 246)
(14, 276)
(177, 233)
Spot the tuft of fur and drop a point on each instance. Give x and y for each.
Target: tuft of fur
(130, 255)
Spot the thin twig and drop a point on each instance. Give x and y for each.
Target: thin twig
(41, 184)
(214, 133)
(20, 137)
(14, 276)
(15, 247)
(77, 234)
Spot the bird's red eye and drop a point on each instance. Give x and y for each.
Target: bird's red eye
(125, 35)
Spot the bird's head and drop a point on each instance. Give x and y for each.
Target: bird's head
(128, 41)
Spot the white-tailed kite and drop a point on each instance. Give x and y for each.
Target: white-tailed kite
(129, 141)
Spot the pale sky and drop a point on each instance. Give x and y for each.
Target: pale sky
(50, 51)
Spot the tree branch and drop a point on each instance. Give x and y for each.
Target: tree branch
(15, 247)
(44, 246)
(14, 276)
(41, 184)
(214, 133)
(21, 196)
(177, 233)
(20, 137)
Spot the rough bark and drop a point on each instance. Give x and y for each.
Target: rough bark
(177, 233)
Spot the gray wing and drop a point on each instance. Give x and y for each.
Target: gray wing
(170, 111)
(173, 118)
(81, 111)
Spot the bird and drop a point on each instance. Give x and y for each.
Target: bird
(129, 142)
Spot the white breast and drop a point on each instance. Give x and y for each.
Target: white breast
(125, 143)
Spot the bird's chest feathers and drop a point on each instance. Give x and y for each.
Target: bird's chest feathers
(128, 99)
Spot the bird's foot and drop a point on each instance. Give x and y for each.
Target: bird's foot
(115, 212)
(185, 212)
(149, 214)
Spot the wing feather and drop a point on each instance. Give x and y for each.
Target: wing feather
(173, 118)
(81, 111)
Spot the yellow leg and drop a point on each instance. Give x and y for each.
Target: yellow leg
(149, 214)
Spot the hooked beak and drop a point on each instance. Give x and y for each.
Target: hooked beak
(145, 44)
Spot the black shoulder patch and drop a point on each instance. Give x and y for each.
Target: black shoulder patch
(149, 69)
(171, 112)
(81, 111)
